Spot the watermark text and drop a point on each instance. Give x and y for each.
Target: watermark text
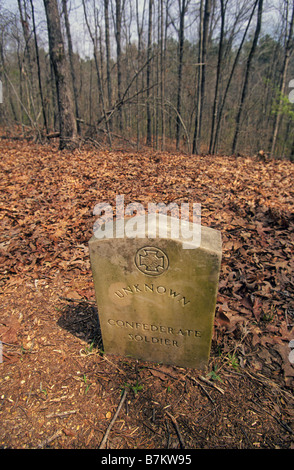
(135, 222)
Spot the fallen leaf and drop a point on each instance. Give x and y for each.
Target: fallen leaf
(222, 318)
(159, 374)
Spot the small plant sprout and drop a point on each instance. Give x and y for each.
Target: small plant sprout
(213, 374)
(233, 360)
(43, 390)
(269, 315)
(86, 383)
(135, 388)
(88, 350)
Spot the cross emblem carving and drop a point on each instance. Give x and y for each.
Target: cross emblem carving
(151, 260)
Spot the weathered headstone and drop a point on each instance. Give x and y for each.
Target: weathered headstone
(156, 300)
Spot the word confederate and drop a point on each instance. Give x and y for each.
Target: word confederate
(152, 328)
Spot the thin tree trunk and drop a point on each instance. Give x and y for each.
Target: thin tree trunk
(90, 94)
(100, 88)
(107, 45)
(288, 48)
(67, 121)
(148, 136)
(71, 61)
(39, 69)
(218, 73)
(246, 80)
(3, 67)
(157, 98)
(204, 58)
(162, 75)
(29, 63)
(21, 73)
(118, 55)
(204, 25)
(292, 152)
(183, 8)
(55, 120)
(230, 79)
(139, 62)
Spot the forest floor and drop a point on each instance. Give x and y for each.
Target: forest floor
(58, 390)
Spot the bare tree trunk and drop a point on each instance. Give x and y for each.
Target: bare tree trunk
(230, 79)
(246, 80)
(148, 136)
(204, 26)
(139, 62)
(218, 73)
(107, 44)
(39, 69)
(162, 74)
(90, 94)
(183, 10)
(292, 152)
(71, 62)
(198, 84)
(118, 55)
(204, 58)
(288, 50)
(157, 80)
(2, 68)
(67, 122)
(100, 87)
(29, 63)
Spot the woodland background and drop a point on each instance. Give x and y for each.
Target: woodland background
(206, 76)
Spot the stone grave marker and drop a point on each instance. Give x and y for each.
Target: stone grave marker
(156, 300)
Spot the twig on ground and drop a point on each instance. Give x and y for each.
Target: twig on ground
(211, 384)
(205, 416)
(174, 421)
(268, 383)
(168, 434)
(279, 421)
(151, 428)
(202, 388)
(61, 414)
(81, 300)
(50, 439)
(104, 440)
(105, 358)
